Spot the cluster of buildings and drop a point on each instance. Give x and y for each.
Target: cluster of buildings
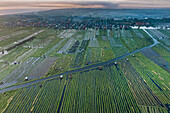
(75, 22)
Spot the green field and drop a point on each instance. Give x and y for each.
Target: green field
(79, 94)
(162, 36)
(164, 52)
(11, 35)
(154, 76)
(93, 83)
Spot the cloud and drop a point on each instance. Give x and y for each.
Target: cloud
(39, 5)
(107, 4)
(58, 4)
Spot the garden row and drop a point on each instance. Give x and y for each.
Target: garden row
(10, 38)
(73, 49)
(153, 75)
(93, 91)
(80, 54)
(162, 37)
(35, 99)
(141, 91)
(134, 42)
(164, 52)
(97, 91)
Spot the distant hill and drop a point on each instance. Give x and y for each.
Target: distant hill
(100, 13)
(109, 13)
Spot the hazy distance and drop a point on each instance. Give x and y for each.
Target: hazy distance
(16, 6)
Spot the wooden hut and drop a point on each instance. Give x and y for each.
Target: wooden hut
(26, 78)
(61, 76)
(100, 68)
(70, 77)
(40, 85)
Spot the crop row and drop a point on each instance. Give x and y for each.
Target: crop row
(93, 55)
(116, 44)
(156, 58)
(138, 34)
(134, 42)
(153, 75)
(164, 52)
(80, 54)
(152, 109)
(18, 74)
(141, 91)
(160, 36)
(36, 99)
(94, 91)
(62, 64)
(126, 33)
(73, 49)
(12, 39)
(103, 39)
(98, 91)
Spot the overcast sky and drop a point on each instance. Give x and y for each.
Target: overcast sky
(37, 5)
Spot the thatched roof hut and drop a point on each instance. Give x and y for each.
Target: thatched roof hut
(70, 77)
(100, 68)
(40, 85)
(26, 78)
(61, 76)
(1, 83)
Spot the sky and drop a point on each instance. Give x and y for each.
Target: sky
(20, 6)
